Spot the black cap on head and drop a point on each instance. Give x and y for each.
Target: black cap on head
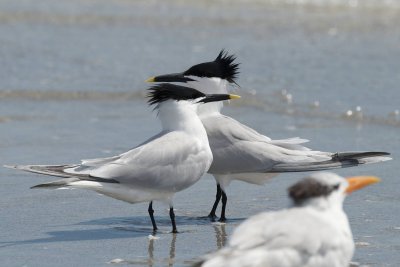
(309, 188)
(222, 67)
(165, 91)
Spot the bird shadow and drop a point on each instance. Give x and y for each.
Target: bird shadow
(143, 223)
(116, 228)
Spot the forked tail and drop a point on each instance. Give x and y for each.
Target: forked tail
(53, 170)
(59, 171)
(56, 184)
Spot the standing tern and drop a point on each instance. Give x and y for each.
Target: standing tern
(314, 232)
(240, 152)
(165, 164)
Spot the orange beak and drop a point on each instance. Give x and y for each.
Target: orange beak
(358, 182)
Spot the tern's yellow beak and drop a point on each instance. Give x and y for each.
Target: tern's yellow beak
(358, 182)
(234, 96)
(151, 80)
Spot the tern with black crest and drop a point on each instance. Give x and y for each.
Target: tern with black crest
(165, 164)
(240, 152)
(313, 232)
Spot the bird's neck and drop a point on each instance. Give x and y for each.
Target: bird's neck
(210, 109)
(333, 215)
(331, 203)
(209, 86)
(181, 116)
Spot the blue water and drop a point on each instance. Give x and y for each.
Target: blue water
(71, 87)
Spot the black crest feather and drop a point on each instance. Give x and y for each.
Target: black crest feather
(229, 68)
(165, 91)
(309, 188)
(223, 67)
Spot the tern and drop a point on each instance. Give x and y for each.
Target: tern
(240, 152)
(165, 164)
(314, 232)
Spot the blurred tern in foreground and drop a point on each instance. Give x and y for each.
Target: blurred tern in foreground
(241, 153)
(165, 164)
(315, 232)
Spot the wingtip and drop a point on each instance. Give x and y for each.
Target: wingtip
(359, 155)
(38, 186)
(379, 153)
(18, 167)
(11, 166)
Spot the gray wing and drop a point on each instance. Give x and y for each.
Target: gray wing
(81, 170)
(167, 156)
(239, 149)
(173, 161)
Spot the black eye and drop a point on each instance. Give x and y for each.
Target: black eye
(336, 187)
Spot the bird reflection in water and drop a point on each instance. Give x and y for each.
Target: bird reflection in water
(220, 235)
(152, 260)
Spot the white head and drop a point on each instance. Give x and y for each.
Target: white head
(325, 190)
(177, 104)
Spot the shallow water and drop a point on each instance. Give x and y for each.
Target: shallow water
(71, 87)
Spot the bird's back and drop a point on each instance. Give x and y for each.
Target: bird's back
(169, 162)
(172, 162)
(239, 149)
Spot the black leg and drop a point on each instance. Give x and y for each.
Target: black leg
(224, 200)
(212, 214)
(151, 212)
(172, 216)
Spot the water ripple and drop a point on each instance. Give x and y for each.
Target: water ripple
(274, 102)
